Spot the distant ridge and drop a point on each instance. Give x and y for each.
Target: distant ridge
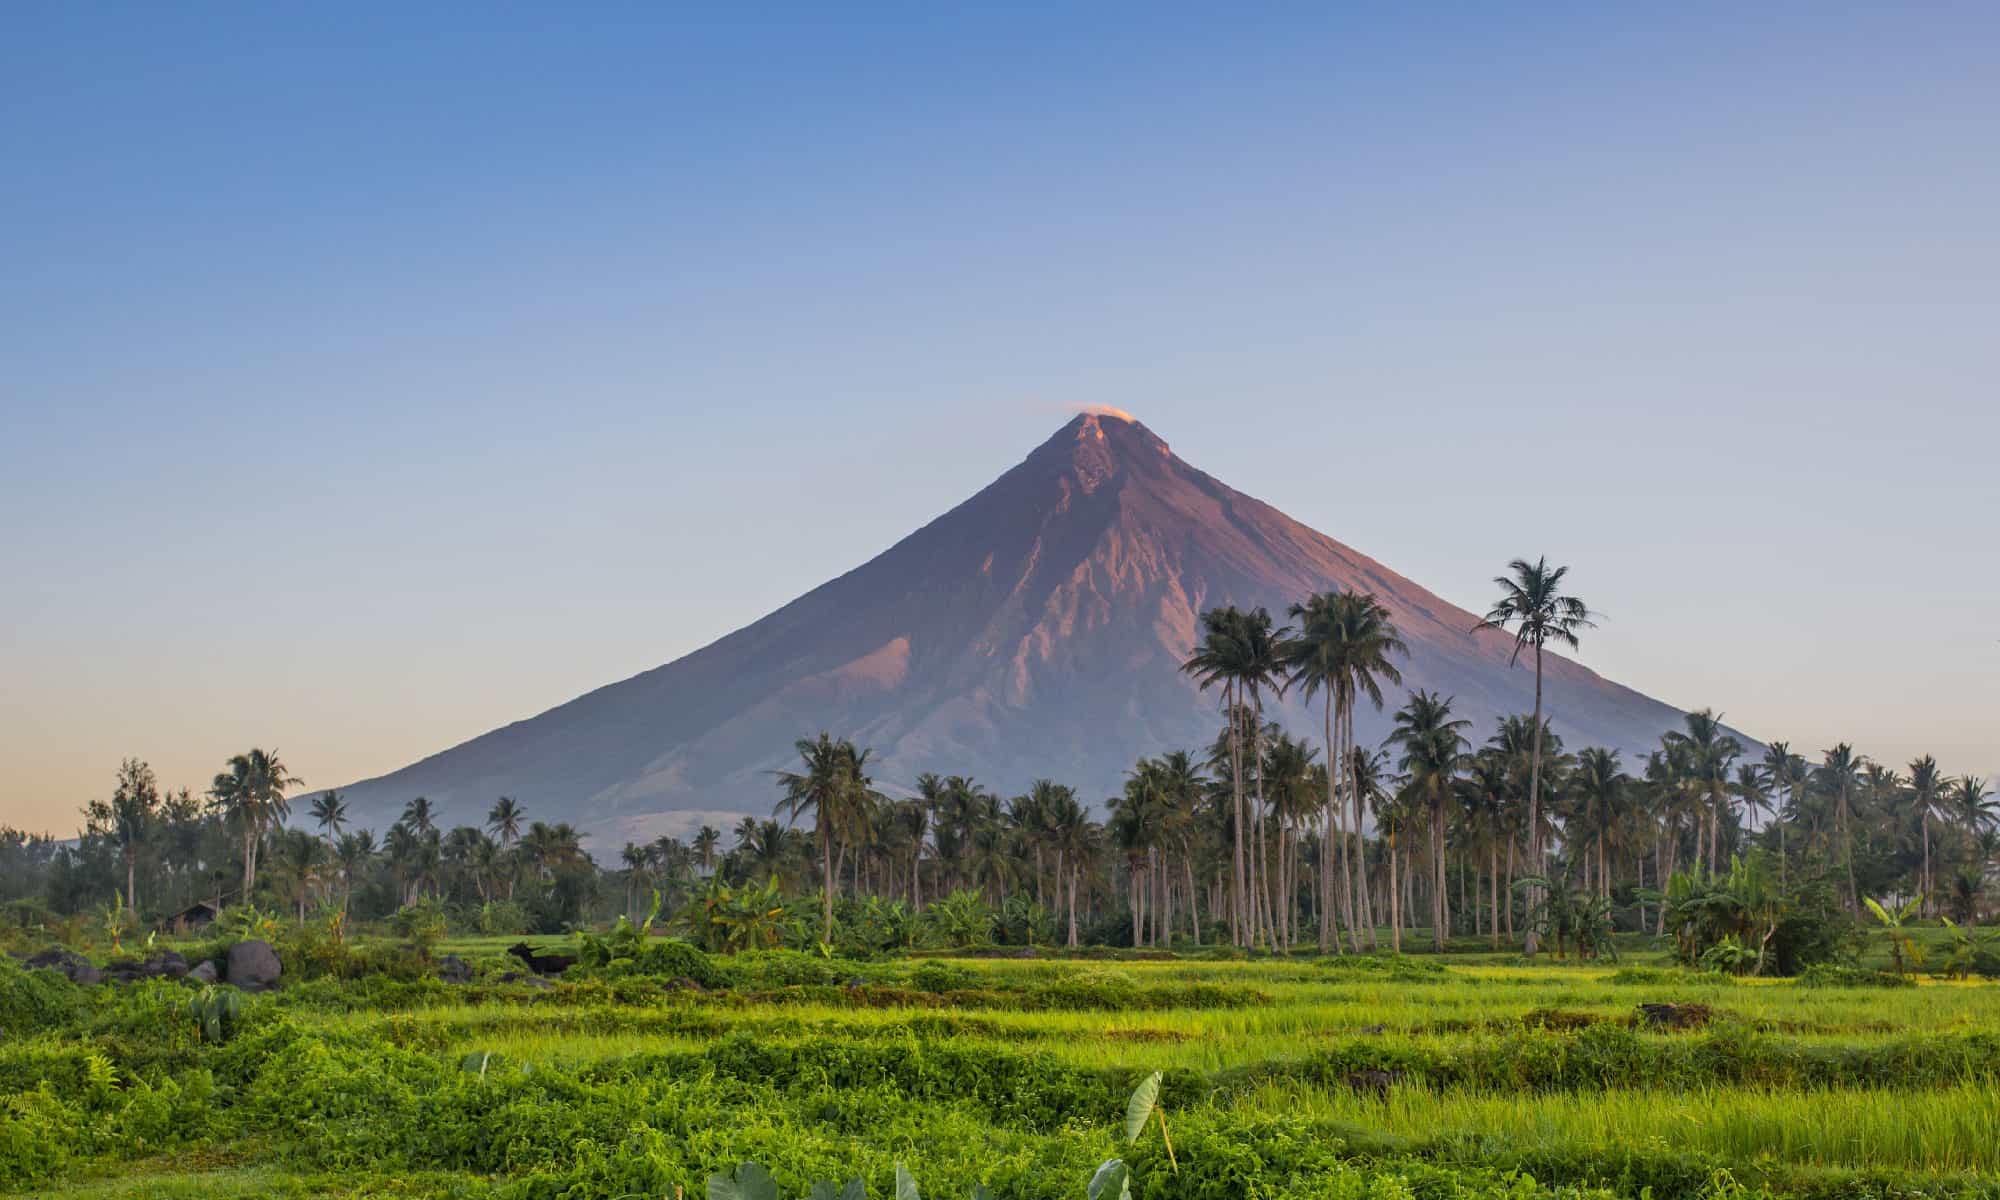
(1034, 630)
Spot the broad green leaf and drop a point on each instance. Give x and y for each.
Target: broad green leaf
(906, 1184)
(722, 1187)
(979, 1192)
(825, 1189)
(475, 1063)
(1140, 1107)
(753, 1182)
(1111, 1181)
(1881, 914)
(855, 1190)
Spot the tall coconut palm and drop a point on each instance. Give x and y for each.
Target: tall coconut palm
(1070, 833)
(1343, 648)
(355, 851)
(826, 788)
(1777, 765)
(420, 815)
(636, 862)
(1928, 788)
(1533, 606)
(251, 794)
(1238, 651)
(706, 840)
(329, 812)
(1711, 749)
(503, 820)
(1600, 784)
(1839, 771)
(129, 818)
(1973, 806)
(1433, 750)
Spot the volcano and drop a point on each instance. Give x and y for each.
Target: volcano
(1036, 630)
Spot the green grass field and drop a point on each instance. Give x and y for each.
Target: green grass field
(1412, 1078)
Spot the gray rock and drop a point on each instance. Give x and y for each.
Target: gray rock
(124, 970)
(253, 966)
(453, 969)
(165, 964)
(203, 972)
(73, 966)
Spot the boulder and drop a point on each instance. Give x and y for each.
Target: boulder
(453, 969)
(530, 980)
(203, 972)
(74, 967)
(165, 964)
(124, 970)
(253, 966)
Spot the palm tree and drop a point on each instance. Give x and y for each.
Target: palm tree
(420, 816)
(1927, 788)
(1433, 748)
(706, 839)
(129, 819)
(1778, 764)
(826, 788)
(329, 812)
(1710, 750)
(1227, 655)
(1532, 603)
(1839, 771)
(353, 854)
(503, 820)
(1343, 646)
(1070, 833)
(299, 857)
(635, 860)
(1600, 784)
(1973, 806)
(251, 792)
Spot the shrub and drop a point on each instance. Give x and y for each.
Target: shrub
(32, 1001)
(1835, 975)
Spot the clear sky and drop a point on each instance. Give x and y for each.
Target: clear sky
(373, 375)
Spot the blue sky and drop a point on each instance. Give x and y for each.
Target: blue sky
(374, 376)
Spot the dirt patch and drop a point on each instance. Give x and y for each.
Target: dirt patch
(1559, 1019)
(1675, 1016)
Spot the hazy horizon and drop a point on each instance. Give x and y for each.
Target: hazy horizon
(377, 379)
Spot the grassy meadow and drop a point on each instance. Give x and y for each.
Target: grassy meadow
(1423, 1076)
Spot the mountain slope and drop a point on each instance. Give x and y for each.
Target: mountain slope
(1035, 630)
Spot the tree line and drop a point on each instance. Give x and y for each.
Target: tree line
(1266, 837)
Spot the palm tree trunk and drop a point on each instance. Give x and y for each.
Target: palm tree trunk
(826, 892)
(1395, 901)
(1363, 921)
(1493, 880)
(1072, 904)
(1535, 864)
(1327, 933)
(1438, 916)
(1925, 817)
(1239, 898)
(1194, 897)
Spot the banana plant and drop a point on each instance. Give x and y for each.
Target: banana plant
(1901, 944)
(1967, 947)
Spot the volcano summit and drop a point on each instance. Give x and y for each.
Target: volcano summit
(1037, 629)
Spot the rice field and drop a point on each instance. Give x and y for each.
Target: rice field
(1282, 1077)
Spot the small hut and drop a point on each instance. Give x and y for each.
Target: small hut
(195, 916)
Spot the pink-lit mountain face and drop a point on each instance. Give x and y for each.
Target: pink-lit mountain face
(1035, 630)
